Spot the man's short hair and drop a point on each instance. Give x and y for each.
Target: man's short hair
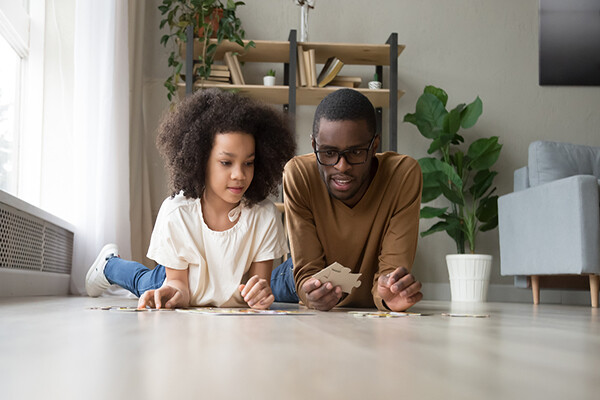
(345, 105)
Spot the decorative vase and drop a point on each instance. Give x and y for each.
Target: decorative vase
(212, 19)
(469, 276)
(269, 80)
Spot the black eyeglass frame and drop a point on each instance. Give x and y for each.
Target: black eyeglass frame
(342, 153)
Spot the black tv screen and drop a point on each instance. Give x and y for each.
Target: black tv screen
(570, 42)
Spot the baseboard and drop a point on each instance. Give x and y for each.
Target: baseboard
(511, 294)
(32, 283)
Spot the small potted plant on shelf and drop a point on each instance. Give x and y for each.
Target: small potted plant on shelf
(210, 19)
(269, 79)
(375, 83)
(465, 180)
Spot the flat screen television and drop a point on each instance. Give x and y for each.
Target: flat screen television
(570, 42)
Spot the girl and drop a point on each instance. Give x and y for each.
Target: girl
(216, 236)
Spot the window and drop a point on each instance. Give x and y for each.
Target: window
(21, 94)
(9, 116)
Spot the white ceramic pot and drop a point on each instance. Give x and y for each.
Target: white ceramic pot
(269, 80)
(374, 85)
(469, 276)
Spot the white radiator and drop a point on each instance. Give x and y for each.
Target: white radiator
(36, 250)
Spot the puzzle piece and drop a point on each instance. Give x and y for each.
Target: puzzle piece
(462, 315)
(340, 276)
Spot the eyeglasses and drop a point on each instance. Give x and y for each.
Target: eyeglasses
(353, 156)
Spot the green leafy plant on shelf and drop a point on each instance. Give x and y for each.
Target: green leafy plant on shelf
(271, 72)
(465, 180)
(210, 19)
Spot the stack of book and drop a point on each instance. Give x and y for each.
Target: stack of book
(219, 74)
(346, 81)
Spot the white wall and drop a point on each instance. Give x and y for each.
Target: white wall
(468, 47)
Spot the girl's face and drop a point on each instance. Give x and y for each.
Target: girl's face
(230, 167)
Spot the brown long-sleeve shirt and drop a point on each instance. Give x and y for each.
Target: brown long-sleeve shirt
(374, 237)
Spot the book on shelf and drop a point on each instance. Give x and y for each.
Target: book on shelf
(212, 82)
(346, 81)
(301, 67)
(332, 67)
(307, 68)
(231, 60)
(313, 67)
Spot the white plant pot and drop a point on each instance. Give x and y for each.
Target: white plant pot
(469, 276)
(269, 80)
(375, 85)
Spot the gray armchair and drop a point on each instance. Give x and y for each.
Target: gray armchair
(550, 225)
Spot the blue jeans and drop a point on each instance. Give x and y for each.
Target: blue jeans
(134, 276)
(137, 278)
(282, 283)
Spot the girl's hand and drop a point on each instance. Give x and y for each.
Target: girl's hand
(257, 293)
(170, 295)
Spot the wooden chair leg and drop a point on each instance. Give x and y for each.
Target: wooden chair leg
(594, 288)
(535, 288)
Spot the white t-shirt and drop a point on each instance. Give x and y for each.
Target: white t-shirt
(217, 261)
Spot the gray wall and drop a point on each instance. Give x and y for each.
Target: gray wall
(468, 47)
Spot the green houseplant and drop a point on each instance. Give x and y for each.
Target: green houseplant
(209, 19)
(464, 179)
(269, 78)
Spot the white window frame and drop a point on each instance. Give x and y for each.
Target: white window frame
(22, 23)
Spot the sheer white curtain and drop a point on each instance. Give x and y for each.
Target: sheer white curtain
(100, 194)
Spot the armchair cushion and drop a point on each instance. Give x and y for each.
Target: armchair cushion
(550, 161)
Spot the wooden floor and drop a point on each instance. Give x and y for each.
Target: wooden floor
(57, 348)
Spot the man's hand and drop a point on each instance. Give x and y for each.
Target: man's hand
(171, 294)
(399, 289)
(321, 296)
(257, 293)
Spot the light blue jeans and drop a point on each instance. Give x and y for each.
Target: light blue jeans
(134, 276)
(138, 278)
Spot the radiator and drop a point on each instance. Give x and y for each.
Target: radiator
(36, 250)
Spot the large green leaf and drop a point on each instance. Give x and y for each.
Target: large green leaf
(442, 140)
(458, 160)
(488, 209)
(424, 127)
(430, 113)
(431, 186)
(488, 226)
(429, 164)
(432, 212)
(482, 182)
(452, 119)
(471, 113)
(437, 92)
(440, 226)
(430, 193)
(452, 195)
(411, 118)
(483, 153)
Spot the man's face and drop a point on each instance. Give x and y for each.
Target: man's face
(344, 181)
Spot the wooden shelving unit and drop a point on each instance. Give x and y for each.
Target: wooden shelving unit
(304, 96)
(376, 55)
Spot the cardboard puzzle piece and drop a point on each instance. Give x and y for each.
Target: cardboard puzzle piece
(340, 276)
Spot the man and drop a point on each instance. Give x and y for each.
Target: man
(346, 203)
